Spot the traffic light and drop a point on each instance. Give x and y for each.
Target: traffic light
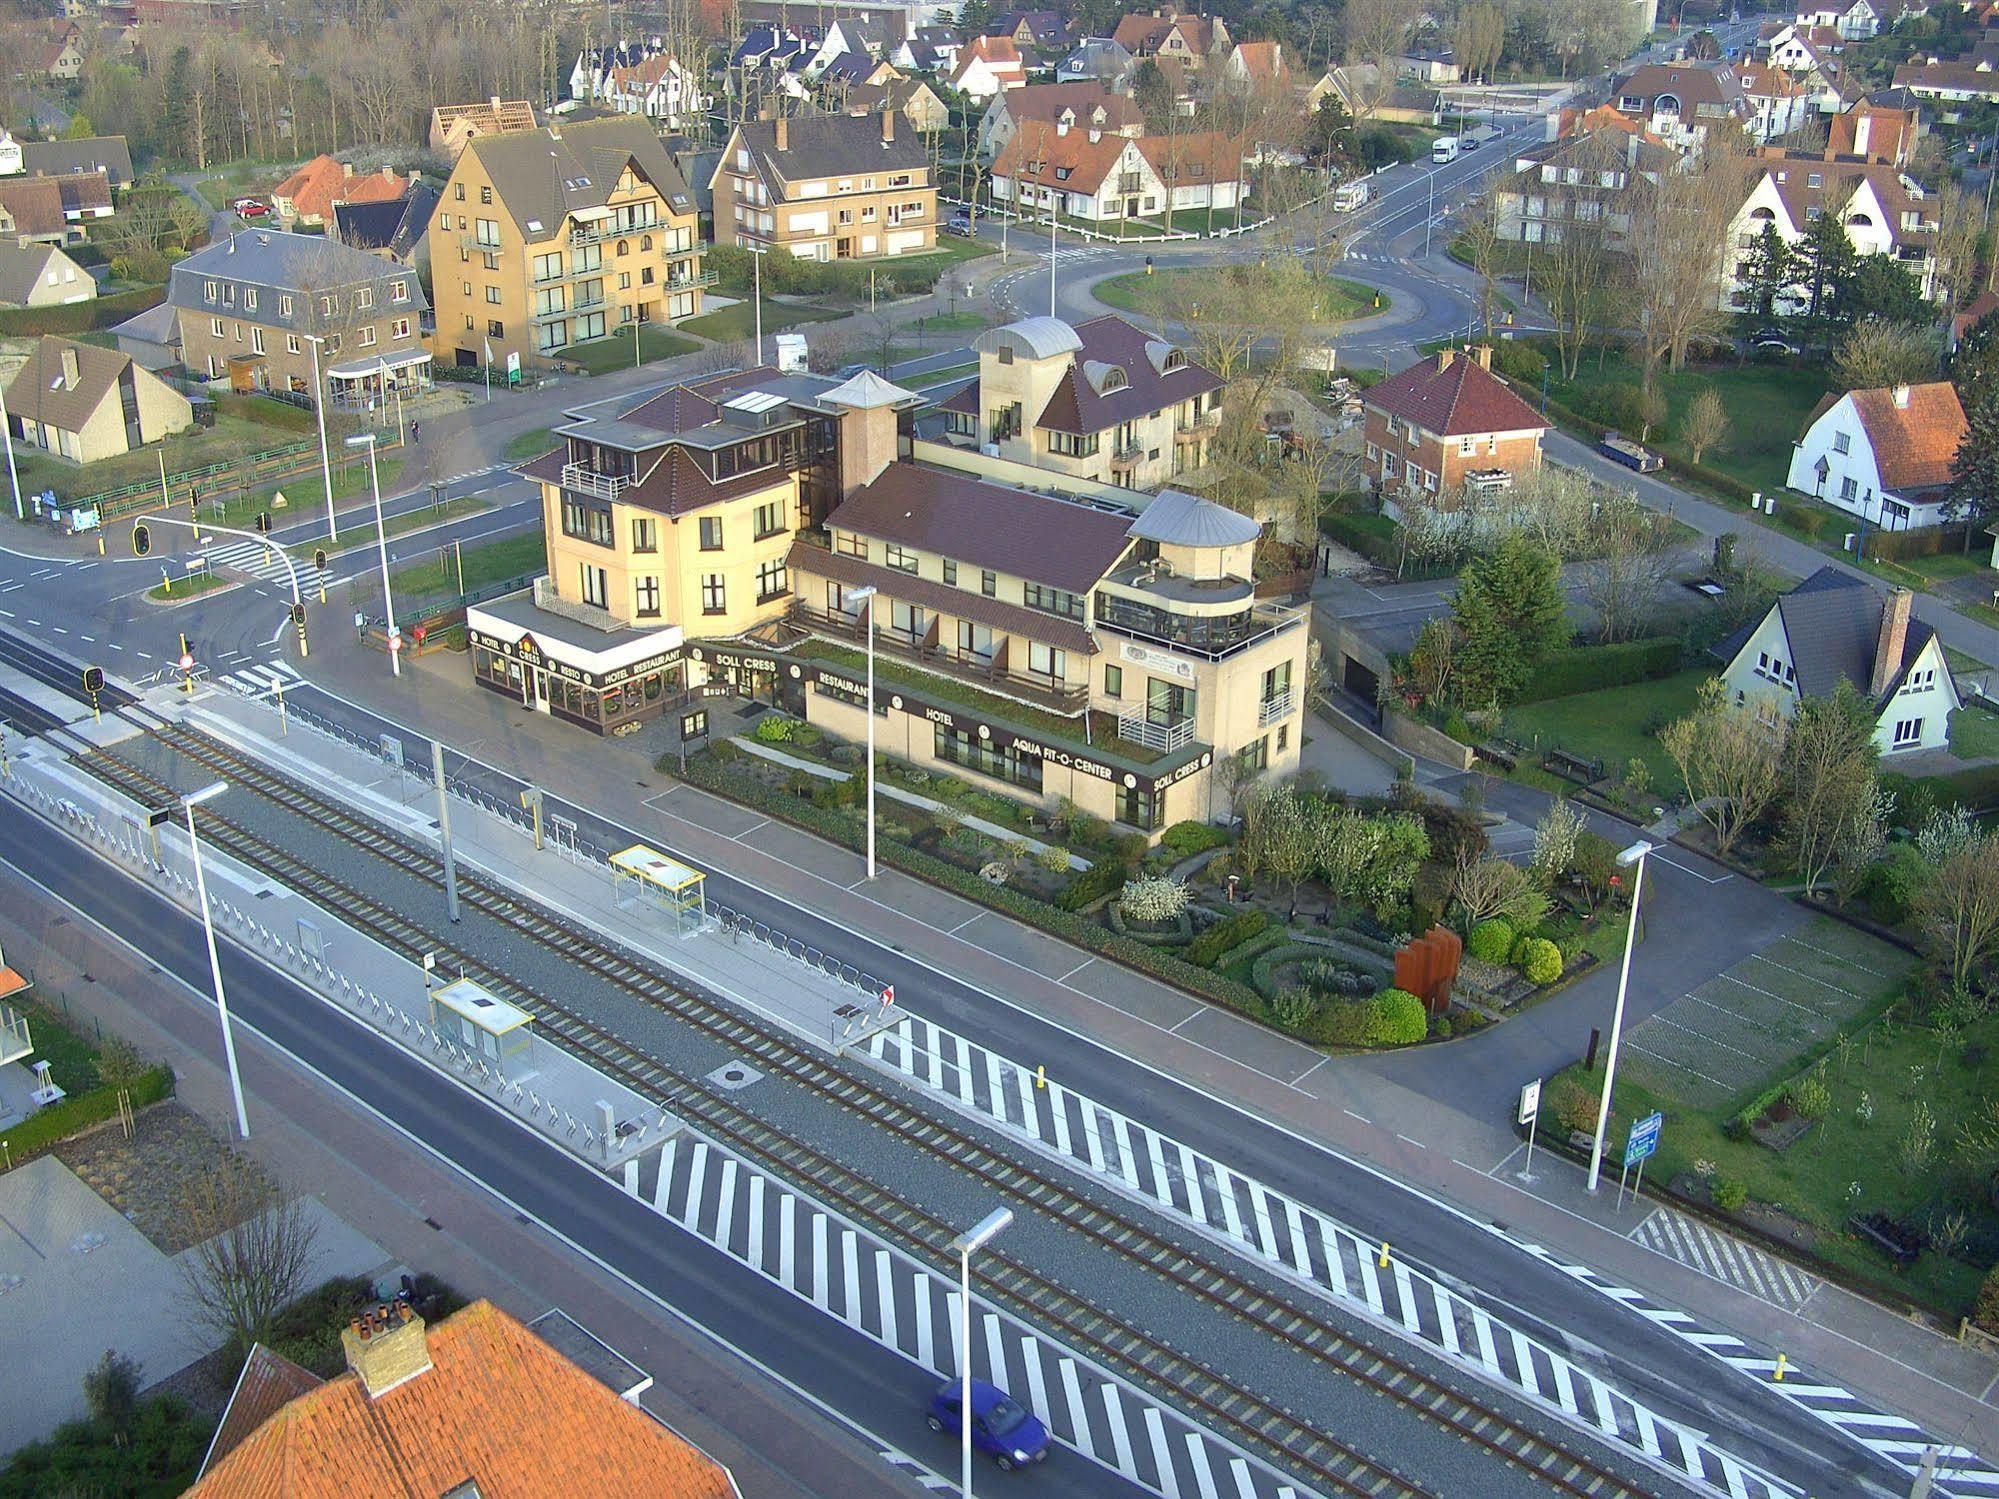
(93, 679)
(319, 559)
(142, 539)
(264, 522)
(298, 615)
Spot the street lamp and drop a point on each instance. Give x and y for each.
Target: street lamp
(188, 804)
(367, 440)
(7, 435)
(977, 1237)
(1632, 858)
(319, 410)
(866, 594)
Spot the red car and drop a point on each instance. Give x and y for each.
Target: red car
(250, 208)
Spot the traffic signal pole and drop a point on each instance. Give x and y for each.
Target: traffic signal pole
(263, 540)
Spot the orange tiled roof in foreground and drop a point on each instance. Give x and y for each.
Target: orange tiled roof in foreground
(1915, 444)
(315, 187)
(498, 1407)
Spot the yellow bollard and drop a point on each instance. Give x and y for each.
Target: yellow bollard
(1783, 1363)
(1041, 1076)
(1383, 1261)
(100, 543)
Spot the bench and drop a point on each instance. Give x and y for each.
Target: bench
(1899, 1241)
(1571, 767)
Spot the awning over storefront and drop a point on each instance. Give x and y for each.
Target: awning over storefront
(366, 369)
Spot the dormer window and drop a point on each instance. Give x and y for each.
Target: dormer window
(1175, 360)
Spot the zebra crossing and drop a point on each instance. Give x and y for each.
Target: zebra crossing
(262, 679)
(878, 1291)
(1297, 1240)
(1726, 1258)
(252, 557)
(1959, 1472)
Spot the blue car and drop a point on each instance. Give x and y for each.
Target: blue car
(1000, 1424)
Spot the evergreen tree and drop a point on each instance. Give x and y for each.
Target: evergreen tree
(1509, 612)
(1330, 133)
(1879, 288)
(1974, 472)
(175, 107)
(1768, 268)
(1825, 268)
(1974, 364)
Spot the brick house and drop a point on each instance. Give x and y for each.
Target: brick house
(1447, 422)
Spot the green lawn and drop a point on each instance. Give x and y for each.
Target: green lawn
(1615, 725)
(232, 437)
(529, 445)
(188, 585)
(1974, 734)
(601, 355)
(488, 562)
(1768, 404)
(738, 321)
(352, 535)
(956, 322)
(1138, 292)
(305, 494)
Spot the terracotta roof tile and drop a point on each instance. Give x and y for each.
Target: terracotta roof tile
(1914, 445)
(1071, 161)
(34, 204)
(315, 187)
(268, 1382)
(1460, 400)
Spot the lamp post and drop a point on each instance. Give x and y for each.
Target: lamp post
(319, 410)
(977, 1237)
(188, 804)
(1430, 212)
(367, 440)
(1632, 858)
(866, 594)
(7, 435)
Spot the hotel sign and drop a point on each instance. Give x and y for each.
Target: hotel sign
(529, 652)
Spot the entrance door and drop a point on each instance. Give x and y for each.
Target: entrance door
(540, 702)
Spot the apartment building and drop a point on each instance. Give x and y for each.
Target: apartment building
(1883, 211)
(1448, 422)
(1106, 646)
(251, 307)
(562, 235)
(826, 187)
(1590, 177)
(1103, 400)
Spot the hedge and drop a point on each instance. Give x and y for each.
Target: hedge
(739, 786)
(1225, 937)
(51, 1126)
(1976, 788)
(1585, 668)
(1924, 541)
(1099, 880)
(79, 317)
(1189, 838)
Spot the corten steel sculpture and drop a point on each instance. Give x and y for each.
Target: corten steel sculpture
(1428, 966)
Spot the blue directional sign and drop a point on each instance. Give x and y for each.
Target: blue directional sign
(1643, 1139)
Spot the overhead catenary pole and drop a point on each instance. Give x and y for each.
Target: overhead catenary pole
(13, 475)
(188, 804)
(325, 458)
(444, 830)
(1633, 858)
(367, 440)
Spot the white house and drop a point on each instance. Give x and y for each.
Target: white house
(986, 65)
(1086, 173)
(1064, 106)
(848, 35)
(1836, 627)
(1859, 19)
(1885, 213)
(1882, 455)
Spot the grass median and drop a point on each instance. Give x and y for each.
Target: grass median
(398, 525)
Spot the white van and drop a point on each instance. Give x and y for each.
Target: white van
(1444, 149)
(1348, 196)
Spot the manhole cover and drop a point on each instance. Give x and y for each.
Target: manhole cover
(734, 1076)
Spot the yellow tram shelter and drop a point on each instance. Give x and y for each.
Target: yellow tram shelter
(481, 1023)
(645, 875)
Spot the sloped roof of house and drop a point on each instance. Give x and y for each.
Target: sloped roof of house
(1120, 373)
(1261, 60)
(1572, 121)
(1915, 444)
(1084, 97)
(1889, 132)
(315, 187)
(266, 1384)
(945, 598)
(21, 268)
(1205, 156)
(108, 154)
(1954, 77)
(489, 117)
(999, 53)
(498, 1408)
(1176, 518)
(40, 390)
(1767, 81)
(897, 94)
(1459, 399)
(83, 192)
(1143, 34)
(395, 225)
(1832, 621)
(829, 146)
(542, 176)
(1806, 182)
(1692, 83)
(34, 204)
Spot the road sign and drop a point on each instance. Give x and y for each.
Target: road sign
(1643, 1140)
(694, 725)
(1530, 1103)
(888, 995)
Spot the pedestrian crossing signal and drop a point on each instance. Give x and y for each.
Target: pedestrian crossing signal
(93, 679)
(298, 614)
(142, 539)
(319, 559)
(264, 522)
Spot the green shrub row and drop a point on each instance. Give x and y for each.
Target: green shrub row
(1924, 541)
(1224, 937)
(1585, 668)
(726, 780)
(1099, 880)
(816, 278)
(79, 317)
(1976, 788)
(1186, 839)
(51, 1126)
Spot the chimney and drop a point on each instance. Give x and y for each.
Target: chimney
(783, 133)
(888, 128)
(385, 1347)
(1444, 358)
(1894, 638)
(494, 100)
(71, 374)
(346, 169)
(1062, 124)
(1902, 397)
(1862, 128)
(1482, 353)
(1095, 135)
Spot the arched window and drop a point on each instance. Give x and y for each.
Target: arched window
(624, 247)
(1175, 360)
(645, 243)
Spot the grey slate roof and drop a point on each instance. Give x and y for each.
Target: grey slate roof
(20, 270)
(281, 262)
(831, 146)
(395, 226)
(542, 176)
(1833, 621)
(98, 153)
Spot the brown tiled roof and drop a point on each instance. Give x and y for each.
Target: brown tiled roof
(1959, 76)
(1072, 161)
(498, 1408)
(315, 187)
(675, 484)
(268, 1382)
(1077, 406)
(1462, 399)
(33, 203)
(1001, 53)
(1837, 182)
(1057, 542)
(1888, 131)
(943, 598)
(1692, 83)
(1574, 121)
(1046, 101)
(38, 391)
(1762, 78)
(84, 191)
(1181, 160)
(1914, 446)
(1262, 60)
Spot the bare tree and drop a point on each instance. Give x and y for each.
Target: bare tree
(1678, 246)
(1878, 354)
(1376, 32)
(1957, 911)
(1729, 756)
(1485, 888)
(1481, 243)
(1707, 423)
(1829, 781)
(252, 1251)
(1631, 556)
(1961, 225)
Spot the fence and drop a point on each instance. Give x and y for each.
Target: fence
(282, 462)
(850, 1021)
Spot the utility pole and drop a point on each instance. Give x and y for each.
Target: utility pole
(444, 830)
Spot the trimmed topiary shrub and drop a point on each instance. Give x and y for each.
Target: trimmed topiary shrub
(1491, 941)
(1224, 937)
(1729, 1194)
(1185, 839)
(1399, 1018)
(1099, 880)
(1540, 961)
(1347, 1024)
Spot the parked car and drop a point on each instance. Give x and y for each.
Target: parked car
(250, 208)
(1628, 453)
(1771, 341)
(1468, 142)
(960, 223)
(1001, 1426)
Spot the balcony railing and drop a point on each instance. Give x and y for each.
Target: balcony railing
(548, 314)
(1204, 422)
(1277, 705)
(1212, 638)
(591, 234)
(588, 304)
(688, 283)
(589, 481)
(968, 666)
(1135, 726)
(1126, 447)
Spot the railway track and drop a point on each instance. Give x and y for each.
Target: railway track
(1292, 1442)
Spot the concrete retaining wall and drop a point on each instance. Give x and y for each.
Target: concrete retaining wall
(1421, 739)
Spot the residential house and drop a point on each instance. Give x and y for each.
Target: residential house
(1432, 65)
(1950, 81)
(563, 234)
(849, 36)
(453, 125)
(308, 195)
(1081, 171)
(1778, 103)
(40, 275)
(1090, 643)
(1837, 627)
(1199, 169)
(1371, 94)
(1167, 33)
(985, 65)
(32, 208)
(1794, 46)
(107, 154)
(62, 57)
(1061, 106)
(84, 195)
(1447, 422)
(1099, 59)
(84, 403)
(1585, 176)
(1858, 20)
(476, 1404)
(852, 70)
(928, 49)
(912, 98)
(397, 229)
(1109, 402)
(1257, 65)
(1871, 132)
(269, 310)
(1884, 212)
(152, 337)
(1884, 456)
(1043, 32)
(826, 187)
(1684, 103)
(660, 88)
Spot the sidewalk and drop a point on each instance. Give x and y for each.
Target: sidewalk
(1465, 1160)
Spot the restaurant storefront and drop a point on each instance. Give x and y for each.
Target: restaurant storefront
(610, 685)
